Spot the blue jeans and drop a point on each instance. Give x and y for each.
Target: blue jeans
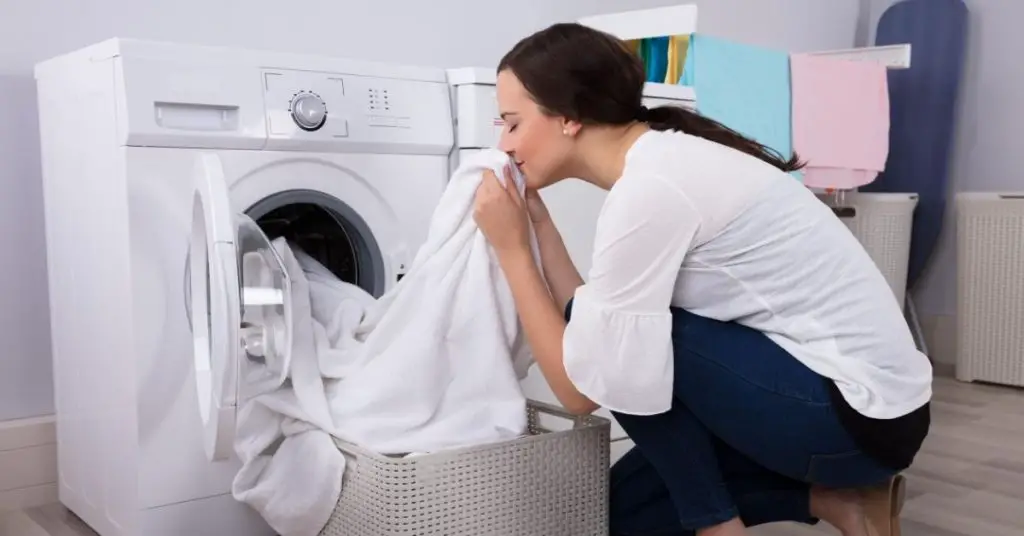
(750, 429)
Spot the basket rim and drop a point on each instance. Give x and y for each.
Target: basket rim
(584, 423)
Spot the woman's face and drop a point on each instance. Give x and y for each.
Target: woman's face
(539, 143)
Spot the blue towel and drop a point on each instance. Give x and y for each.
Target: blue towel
(743, 87)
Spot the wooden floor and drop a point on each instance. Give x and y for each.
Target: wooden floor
(967, 481)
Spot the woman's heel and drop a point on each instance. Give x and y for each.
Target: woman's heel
(884, 504)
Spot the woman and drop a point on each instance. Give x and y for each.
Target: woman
(735, 328)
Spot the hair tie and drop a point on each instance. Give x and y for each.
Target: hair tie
(643, 114)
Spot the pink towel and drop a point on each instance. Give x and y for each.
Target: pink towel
(840, 120)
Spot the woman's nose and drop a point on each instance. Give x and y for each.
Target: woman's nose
(504, 144)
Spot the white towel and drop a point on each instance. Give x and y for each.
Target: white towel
(291, 468)
(434, 364)
(439, 348)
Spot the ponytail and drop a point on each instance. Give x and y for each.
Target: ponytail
(680, 119)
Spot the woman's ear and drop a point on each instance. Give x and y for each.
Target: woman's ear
(570, 128)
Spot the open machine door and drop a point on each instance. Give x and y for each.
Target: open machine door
(240, 308)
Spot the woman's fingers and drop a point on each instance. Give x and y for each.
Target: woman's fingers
(493, 189)
(510, 185)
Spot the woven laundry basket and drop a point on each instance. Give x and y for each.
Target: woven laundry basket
(990, 287)
(553, 482)
(882, 223)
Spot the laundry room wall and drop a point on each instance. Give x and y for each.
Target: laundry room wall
(445, 33)
(986, 152)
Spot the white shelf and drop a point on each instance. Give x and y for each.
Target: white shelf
(641, 23)
(892, 56)
(674, 92)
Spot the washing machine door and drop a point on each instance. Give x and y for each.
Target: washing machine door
(241, 308)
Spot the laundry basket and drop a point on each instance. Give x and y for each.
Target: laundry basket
(883, 223)
(990, 287)
(549, 483)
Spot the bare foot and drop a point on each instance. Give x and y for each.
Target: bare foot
(884, 504)
(841, 508)
(861, 512)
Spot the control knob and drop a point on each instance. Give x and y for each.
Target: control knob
(309, 111)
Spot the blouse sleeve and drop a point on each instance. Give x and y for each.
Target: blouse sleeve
(617, 347)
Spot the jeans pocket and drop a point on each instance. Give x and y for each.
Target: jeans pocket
(848, 469)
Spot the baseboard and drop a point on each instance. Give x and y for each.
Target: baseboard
(940, 334)
(28, 463)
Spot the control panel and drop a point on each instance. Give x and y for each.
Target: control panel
(342, 112)
(319, 104)
(300, 102)
(383, 109)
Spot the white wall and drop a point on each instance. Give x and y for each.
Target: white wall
(986, 152)
(442, 33)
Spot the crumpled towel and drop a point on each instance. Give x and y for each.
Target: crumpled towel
(443, 352)
(434, 364)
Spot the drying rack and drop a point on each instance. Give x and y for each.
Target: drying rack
(682, 20)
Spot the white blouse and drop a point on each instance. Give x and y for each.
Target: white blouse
(696, 225)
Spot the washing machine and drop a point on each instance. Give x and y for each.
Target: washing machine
(164, 165)
(574, 204)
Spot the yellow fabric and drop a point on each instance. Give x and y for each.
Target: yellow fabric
(677, 48)
(633, 45)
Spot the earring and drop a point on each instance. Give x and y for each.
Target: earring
(565, 132)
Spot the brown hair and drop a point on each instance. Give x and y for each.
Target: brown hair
(591, 77)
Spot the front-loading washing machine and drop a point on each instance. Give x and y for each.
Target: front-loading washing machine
(163, 164)
(574, 204)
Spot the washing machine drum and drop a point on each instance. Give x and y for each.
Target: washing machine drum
(317, 232)
(326, 230)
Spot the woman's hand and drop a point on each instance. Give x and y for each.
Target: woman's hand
(501, 213)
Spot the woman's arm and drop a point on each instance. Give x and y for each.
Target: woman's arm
(562, 277)
(619, 344)
(504, 217)
(544, 324)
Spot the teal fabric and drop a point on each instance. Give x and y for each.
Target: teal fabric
(657, 58)
(744, 87)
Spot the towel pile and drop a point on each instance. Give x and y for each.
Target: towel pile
(434, 364)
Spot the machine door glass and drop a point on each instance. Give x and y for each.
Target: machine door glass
(240, 308)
